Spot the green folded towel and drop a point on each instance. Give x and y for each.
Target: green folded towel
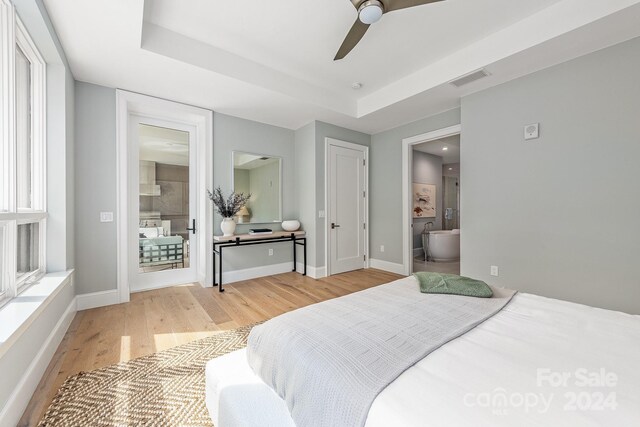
(437, 283)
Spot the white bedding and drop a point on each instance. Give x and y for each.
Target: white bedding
(461, 383)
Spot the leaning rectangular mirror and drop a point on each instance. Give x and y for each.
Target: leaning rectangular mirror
(260, 176)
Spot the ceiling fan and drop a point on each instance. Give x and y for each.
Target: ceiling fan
(370, 12)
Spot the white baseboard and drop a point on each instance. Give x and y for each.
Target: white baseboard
(269, 270)
(313, 272)
(17, 402)
(418, 252)
(386, 266)
(97, 299)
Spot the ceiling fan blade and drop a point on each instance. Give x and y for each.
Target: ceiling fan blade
(391, 5)
(355, 35)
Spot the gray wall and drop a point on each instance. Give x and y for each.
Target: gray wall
(310, 172)
(323, 131)
(386, 183)
(235, 134)
(241, 182)
(264, 187)
(305, 185)
(95, 187)
(427, 169)
(558, 215)
(95, 159)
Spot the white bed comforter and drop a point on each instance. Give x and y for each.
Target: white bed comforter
(537, 362)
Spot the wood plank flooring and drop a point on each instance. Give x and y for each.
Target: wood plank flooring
(160, 319)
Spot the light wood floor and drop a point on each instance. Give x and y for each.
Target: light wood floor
(160, 319)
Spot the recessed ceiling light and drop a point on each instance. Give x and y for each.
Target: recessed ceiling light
(445, 148)
(356, 86)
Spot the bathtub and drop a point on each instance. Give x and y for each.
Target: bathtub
(444, 245)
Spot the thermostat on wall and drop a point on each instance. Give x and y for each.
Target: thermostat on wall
(532, 131)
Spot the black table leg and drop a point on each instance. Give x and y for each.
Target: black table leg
(304, 248)
(293, 241)
(220, 279)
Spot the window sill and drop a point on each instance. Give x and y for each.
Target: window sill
(17, 314)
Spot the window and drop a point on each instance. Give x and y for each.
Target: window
(23, 212)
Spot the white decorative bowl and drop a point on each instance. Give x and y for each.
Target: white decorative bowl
(290, 225)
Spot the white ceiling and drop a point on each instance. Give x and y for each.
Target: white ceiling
(436, 148)
(163, 145)
(273, 61)
(248, 161)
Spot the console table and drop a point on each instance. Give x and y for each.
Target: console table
(297, 238)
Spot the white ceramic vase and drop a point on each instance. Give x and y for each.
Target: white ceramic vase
(290, 225)
(228, 226)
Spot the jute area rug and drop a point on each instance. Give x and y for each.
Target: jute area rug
(162, 389)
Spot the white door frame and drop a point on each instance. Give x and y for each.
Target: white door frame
(128, 103)
(407, 157)
(327, 233)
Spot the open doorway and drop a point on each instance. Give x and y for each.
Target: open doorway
(431, 201)
(436, 205)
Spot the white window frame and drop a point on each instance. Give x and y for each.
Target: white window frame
(13, 33)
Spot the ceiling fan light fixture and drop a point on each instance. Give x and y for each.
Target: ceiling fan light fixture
(370, 12)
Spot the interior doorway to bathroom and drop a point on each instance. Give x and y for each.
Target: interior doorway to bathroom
(431, 169)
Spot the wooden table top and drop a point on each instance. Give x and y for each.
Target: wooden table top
(275, 234)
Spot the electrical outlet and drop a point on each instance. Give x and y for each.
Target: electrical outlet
(494, 270)
(106, 216)
(270, 252)
(532, 131)
(381, 248)
(320, 214)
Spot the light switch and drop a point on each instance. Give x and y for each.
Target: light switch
(106, 216)
(494, 270)
(320, 214)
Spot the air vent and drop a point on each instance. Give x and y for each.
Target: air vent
(469, 78)
(264, 158)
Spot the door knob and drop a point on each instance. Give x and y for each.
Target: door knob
(193, 227)
(334, 225)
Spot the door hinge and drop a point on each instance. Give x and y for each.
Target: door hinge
(364, 226)
(364, 162)
(365, 257)
(364, 194)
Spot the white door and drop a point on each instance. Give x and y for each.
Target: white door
(346, 206)
(163, 231)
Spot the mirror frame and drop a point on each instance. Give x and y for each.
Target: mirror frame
(233, 183)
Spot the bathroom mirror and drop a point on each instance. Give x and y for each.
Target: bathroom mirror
(261, 176)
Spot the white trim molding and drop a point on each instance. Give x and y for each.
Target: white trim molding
(21, 395)
(19, 398)
(270, 270)
(255, 272)
(388, 266)
(357, 147)
(97, 299)
(14, 212)
(127, 104)
(313, 272)
(407, 157)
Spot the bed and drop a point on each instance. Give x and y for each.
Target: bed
(537, 361)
